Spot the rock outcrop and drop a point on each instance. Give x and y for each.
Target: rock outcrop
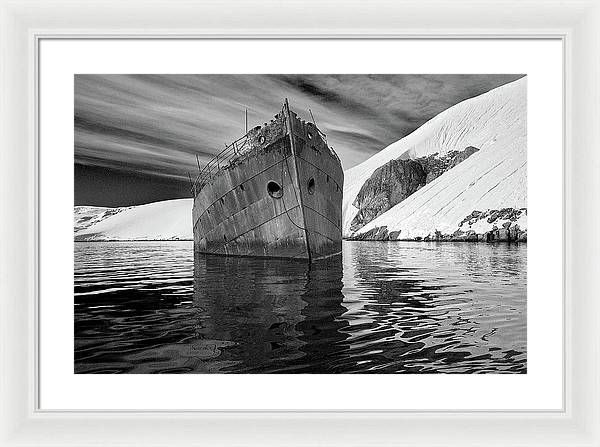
(506, 227)
(397, 179)
(435, 165)
(390, 184)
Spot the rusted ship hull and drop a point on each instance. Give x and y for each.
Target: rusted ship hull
(278, 195)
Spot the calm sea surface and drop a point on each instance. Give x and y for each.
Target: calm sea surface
(399, 307)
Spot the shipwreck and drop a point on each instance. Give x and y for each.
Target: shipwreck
(274, 192)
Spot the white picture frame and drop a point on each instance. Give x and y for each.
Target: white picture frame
(23, 24)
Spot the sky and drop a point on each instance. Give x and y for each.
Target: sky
(137, 136)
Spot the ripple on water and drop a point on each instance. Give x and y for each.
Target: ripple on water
(150, 307)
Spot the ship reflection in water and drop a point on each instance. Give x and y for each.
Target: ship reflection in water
(147, 307)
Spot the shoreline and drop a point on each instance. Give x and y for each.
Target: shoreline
(134, 240)
(344, 239)
(439, 241)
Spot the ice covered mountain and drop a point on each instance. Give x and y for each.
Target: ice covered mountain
(462, 175)
(166, 220)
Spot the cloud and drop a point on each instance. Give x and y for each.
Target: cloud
(157, 124)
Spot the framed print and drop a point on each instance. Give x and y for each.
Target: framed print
(297, 227)
(222, 231)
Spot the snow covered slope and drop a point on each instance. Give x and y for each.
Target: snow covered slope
(85, 216)
(166, 220)
(494, 178)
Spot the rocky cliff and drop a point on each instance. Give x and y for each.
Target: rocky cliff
(393, 182)
(390, 184)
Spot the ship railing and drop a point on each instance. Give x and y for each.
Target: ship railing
(231, 153)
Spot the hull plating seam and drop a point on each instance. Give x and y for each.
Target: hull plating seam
(257, 226)
(290, 128)
(236, 186)
(323, 216)
(321, 234)
(319, 169)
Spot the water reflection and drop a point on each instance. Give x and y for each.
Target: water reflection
(275, 315)
(386, 307)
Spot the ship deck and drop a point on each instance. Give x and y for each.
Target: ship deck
(234, 152)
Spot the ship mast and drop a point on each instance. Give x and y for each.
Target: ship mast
(288, 118)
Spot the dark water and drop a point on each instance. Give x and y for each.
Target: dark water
(147, 307)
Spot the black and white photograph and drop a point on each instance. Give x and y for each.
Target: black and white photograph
(300, 223)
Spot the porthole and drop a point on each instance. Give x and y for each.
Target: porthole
(261, 139)
(274, 189)
(311, 186)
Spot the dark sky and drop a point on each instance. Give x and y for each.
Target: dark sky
(136, 136)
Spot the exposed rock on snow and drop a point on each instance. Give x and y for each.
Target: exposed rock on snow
(475, 156)
(86, 216)
(166, 220)
(436, 164)
(393, 182)
(390, 184)
(507, 225)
